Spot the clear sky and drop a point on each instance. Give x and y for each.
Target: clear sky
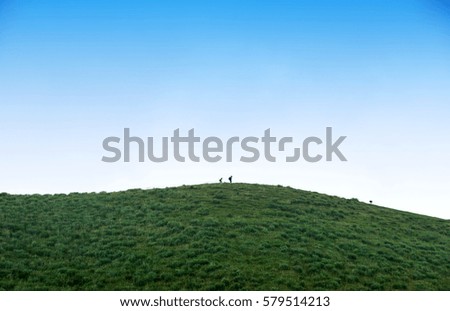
(75, 72)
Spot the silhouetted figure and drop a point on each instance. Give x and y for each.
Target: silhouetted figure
(370, 201)
(220, 180)
(230, 179)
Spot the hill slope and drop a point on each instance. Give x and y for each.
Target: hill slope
(217, 237)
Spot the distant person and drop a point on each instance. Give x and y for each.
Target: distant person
(230, 179)
(220, 180)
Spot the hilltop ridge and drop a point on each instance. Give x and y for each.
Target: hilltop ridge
(217, 237)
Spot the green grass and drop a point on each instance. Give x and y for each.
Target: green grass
(217, 237)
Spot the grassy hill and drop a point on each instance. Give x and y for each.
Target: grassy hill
(217, 237)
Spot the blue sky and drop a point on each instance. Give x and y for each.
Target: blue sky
(75, 72)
